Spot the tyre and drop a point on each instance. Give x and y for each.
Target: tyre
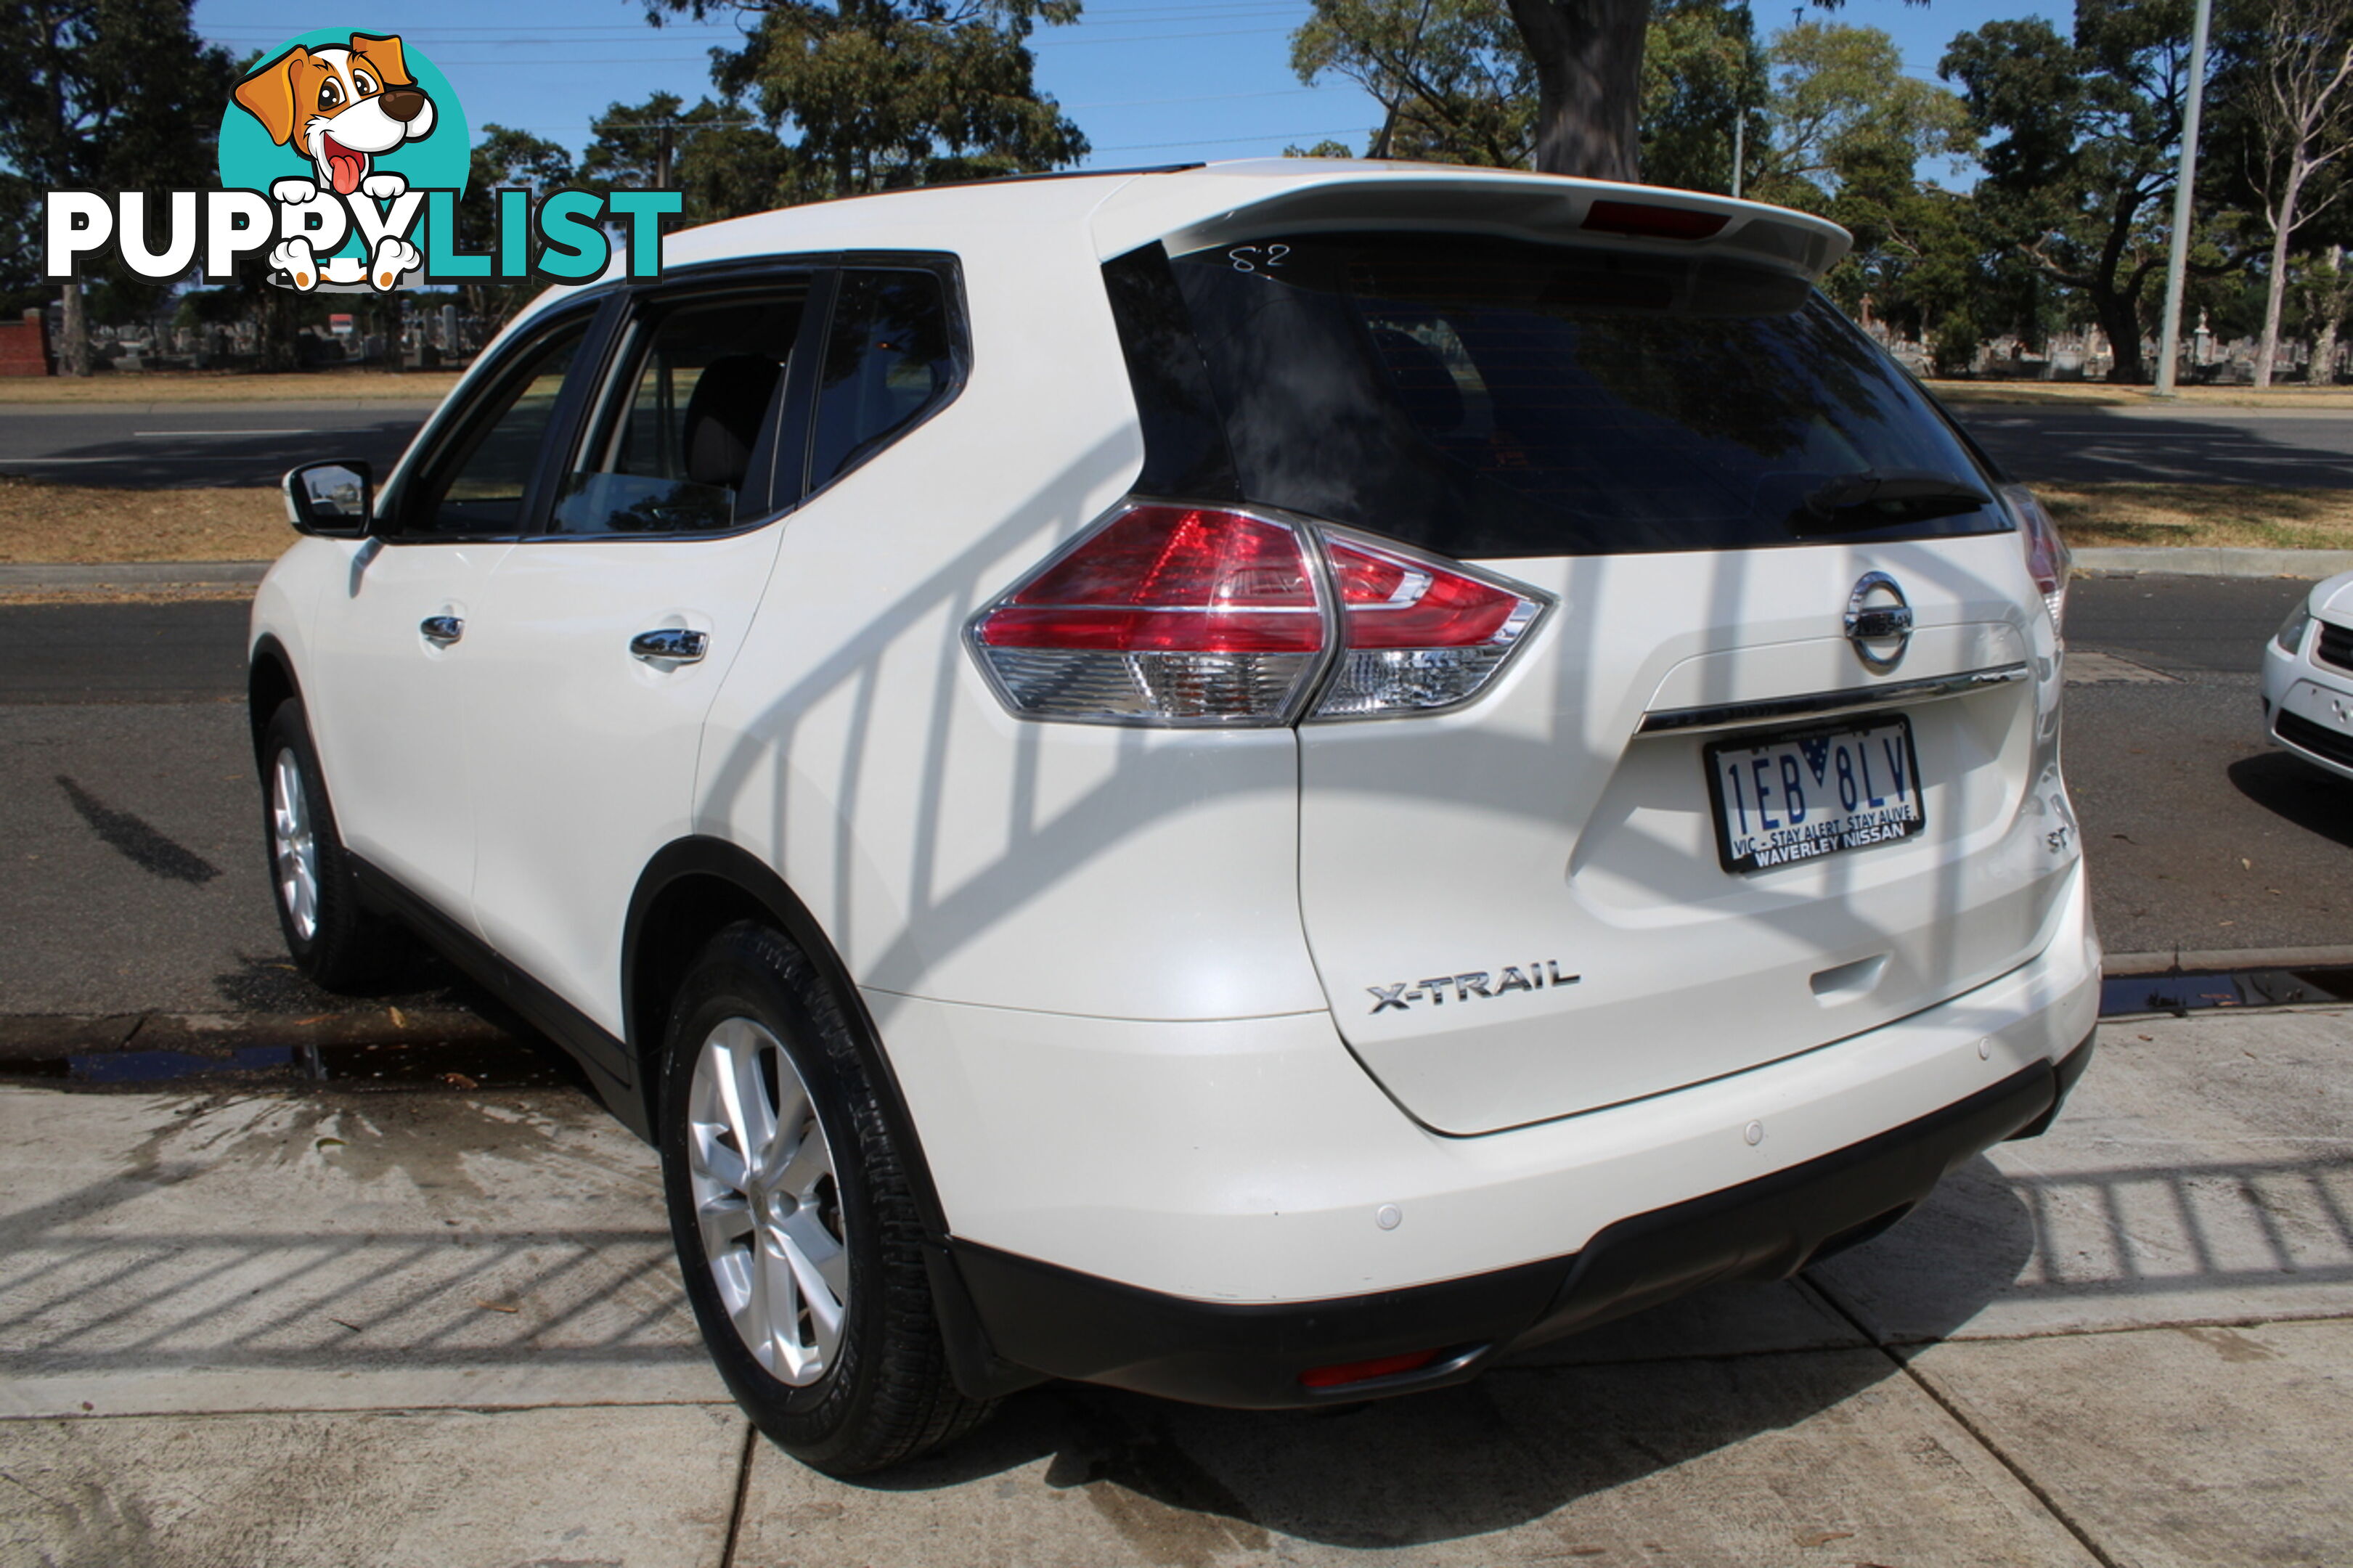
(336, 943)
(796, 1228)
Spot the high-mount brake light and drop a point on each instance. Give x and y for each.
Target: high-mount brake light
(1645, 221)
(1178, 614)
(2048, 559)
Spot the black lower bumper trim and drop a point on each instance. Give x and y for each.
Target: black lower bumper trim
(1061, 1324)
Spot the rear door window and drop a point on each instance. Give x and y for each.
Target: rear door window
(893, 355)
(1491, 398)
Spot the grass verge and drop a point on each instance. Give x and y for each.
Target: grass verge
(2100, 395)
(223, 386)
(2201, 515)
(44, 522)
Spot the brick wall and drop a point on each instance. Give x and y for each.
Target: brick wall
(25, 346)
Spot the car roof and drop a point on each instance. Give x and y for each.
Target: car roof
(1194, 206)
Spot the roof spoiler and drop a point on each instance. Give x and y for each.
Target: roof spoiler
(1542, 207)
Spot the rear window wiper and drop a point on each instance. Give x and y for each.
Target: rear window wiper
(1852, 503)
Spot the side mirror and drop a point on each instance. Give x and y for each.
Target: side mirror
(334, 500)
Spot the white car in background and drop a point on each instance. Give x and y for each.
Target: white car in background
(2309, 677)
(1261, 784)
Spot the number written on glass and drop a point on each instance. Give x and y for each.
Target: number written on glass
(1258, 258)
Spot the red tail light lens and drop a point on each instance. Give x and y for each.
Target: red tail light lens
(1175, 615)
(2048, 559)
(1419, 633)
(1166, 579)
(1166, 614)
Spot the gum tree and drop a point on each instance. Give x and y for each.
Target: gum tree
(876, 94)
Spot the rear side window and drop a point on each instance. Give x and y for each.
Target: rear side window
(1489, 397)
(891, 357)
(684, 442)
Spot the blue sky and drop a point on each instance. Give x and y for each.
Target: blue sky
(1149, 81)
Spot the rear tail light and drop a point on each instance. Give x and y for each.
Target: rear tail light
(1419, 636)
(2047, 556)
(1178, 614)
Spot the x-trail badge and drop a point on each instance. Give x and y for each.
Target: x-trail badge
(1878, 622)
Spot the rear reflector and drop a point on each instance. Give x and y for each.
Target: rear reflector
(1645, 221)
(1350, 1371)
(1175, 615)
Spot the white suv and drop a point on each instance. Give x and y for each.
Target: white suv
(1259, 782)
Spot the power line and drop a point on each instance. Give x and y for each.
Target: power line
(1231, 141)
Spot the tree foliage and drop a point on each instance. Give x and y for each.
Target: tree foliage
(1457, 85)
(2301, 105)
(884, 93)
(104, 95)
(504, 160)
(1702, 70)
(2082, 139)
(719, 154)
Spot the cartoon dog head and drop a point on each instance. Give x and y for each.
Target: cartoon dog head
(339, 107)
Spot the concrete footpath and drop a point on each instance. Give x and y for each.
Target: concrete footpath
(405, 1328)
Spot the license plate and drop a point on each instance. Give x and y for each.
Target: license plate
(1780, 799)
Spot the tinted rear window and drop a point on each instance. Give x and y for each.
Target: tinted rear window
(1488, 398)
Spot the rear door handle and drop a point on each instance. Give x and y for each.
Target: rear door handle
(441, 630)
(671, 645)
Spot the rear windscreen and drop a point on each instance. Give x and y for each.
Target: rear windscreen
(1489, 397)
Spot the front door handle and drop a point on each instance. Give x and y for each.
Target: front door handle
(671, 645)
(441, 630)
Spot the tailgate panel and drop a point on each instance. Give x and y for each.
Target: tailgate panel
(1451, 865)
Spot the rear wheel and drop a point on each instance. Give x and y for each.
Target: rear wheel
(333, 942)
(796, 1231)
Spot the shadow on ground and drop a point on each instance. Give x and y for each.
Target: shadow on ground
(2289, 787)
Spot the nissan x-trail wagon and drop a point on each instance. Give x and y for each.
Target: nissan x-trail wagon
(1261, 783)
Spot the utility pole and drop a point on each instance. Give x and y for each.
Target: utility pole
(2177, 261)
(1740, 107)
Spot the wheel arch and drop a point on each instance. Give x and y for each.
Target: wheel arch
(268, 682)
(690, 890)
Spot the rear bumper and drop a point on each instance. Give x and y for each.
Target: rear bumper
(1062, 1323)
(1252, 1162)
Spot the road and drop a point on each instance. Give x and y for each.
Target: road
(198, 444)
(169, 446)
(126, 793)
(2062, 445)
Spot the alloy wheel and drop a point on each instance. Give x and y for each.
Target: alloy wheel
(294, 845)
(767, 1201)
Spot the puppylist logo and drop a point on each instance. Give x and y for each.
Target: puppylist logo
(342, 159)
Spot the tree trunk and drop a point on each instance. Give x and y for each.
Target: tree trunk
(1588, 59)
(2321, 371)
(2121, 321)
(2282, 227)
(73, 332)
